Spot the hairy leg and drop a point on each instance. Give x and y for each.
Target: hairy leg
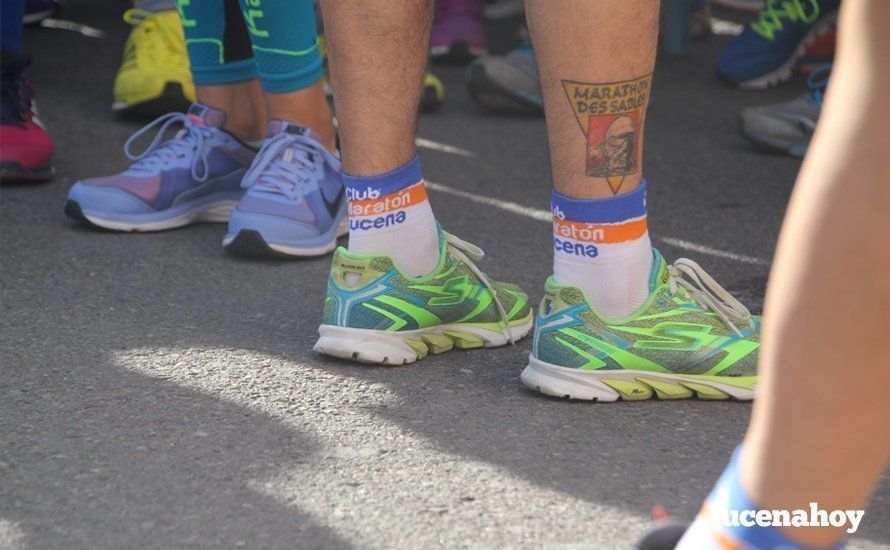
(377, 89)
(596, 61)
(819, 430)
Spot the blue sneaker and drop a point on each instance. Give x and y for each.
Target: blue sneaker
(507, 84)
(193, 177)
(787, 127)
(295, 204)
(770, 46)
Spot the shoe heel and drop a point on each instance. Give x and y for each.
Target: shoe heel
(562, 382)
(366, 346)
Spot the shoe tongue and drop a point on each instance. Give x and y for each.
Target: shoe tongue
(208, 116)
(284, 127)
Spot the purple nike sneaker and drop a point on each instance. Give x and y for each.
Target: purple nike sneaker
(458, 31)
(294, 205)
(193, 177)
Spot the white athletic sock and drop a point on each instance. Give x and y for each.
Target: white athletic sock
(391, 214)
(603, 246)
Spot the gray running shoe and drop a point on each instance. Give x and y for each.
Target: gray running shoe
(507, 84)
(788, 126)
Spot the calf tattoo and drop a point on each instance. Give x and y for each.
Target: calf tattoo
(610, 116)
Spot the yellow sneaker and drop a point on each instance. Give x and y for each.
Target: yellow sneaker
(154, 77)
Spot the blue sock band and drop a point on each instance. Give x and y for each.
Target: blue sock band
(609, 210)
(385, 184)
(729, 498)
(11, 20)
(285, 43)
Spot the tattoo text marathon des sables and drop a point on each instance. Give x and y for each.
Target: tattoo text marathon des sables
(610, 115)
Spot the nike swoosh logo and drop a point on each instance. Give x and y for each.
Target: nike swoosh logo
(333, 206)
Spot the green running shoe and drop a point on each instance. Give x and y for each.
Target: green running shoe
(690, 337)
(376, 314)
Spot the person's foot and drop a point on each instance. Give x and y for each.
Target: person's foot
(787, 127)
(508, 83)
(770, 46)
(154, 76)
(295, 204)
(690, 337)
(38, 10)
(819, 52)
(27, 148)
(373, 313)
(193, 177)
(458, 31)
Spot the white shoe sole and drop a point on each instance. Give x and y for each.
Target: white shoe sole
(407, 346)
(630, 385)
(213, 212)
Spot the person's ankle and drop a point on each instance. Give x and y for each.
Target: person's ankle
(390, 214)
(246, 129)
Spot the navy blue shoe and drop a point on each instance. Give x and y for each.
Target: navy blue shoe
(770, 46)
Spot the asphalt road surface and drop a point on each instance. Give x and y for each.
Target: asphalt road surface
(157, 393)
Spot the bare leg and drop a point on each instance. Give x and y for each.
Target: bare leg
(377, 89)
(819, 430)
(595, 126)
(596, 61)
(243, 104)
(377, 95)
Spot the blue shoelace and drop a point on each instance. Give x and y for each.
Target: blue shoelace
(818, 82)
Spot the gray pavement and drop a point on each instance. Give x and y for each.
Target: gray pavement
(156, 393)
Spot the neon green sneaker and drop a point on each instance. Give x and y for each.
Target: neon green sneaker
(154, 77)
(374, 313)
(691, 337)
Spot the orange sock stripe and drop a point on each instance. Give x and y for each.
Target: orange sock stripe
(600, 233)
(410, 196)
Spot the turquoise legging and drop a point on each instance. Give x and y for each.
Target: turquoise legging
(230, 41)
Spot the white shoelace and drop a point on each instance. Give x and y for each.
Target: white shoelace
(193, 138)
(707, 293)
(469, 253)
(274, 168)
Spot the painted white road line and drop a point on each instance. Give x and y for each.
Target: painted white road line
(703, 249)
(61, 24)
(424, 143)
(527, 211)
(442, 147)
(545, 216)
